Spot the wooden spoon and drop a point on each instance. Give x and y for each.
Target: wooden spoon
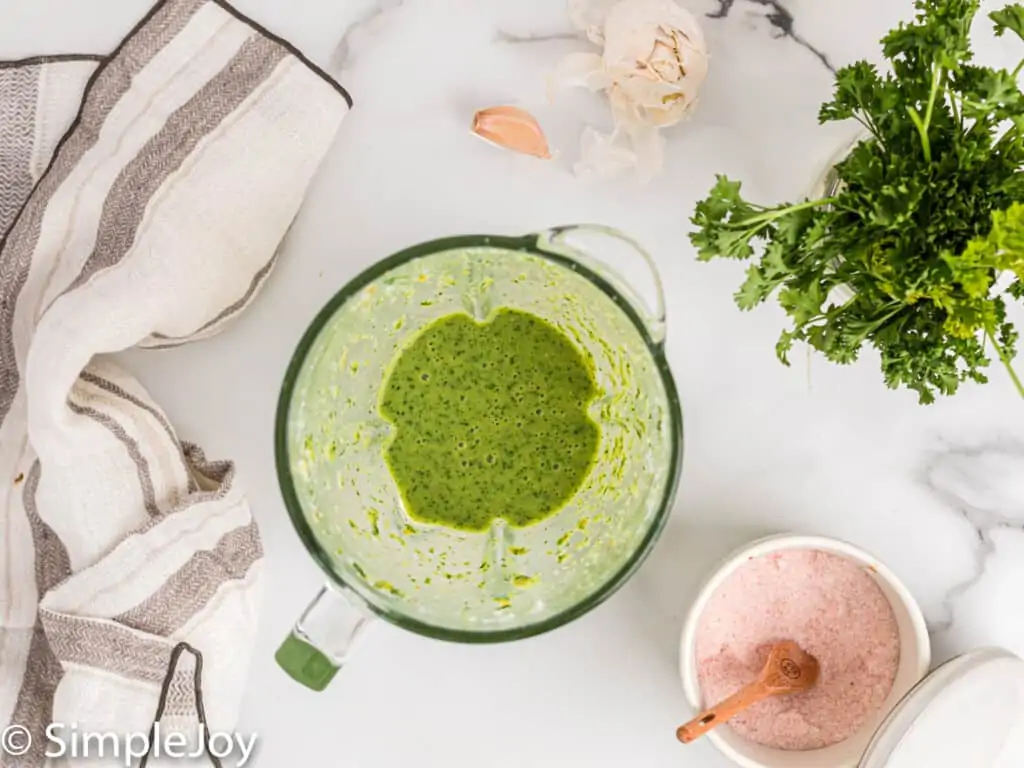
(789, 669)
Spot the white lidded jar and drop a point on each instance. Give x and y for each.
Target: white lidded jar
(968, 713)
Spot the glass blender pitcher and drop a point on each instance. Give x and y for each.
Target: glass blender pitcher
(505, 582)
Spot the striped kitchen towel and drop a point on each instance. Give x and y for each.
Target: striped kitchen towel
(143, 196)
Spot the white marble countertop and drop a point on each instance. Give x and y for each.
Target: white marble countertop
(937, 492)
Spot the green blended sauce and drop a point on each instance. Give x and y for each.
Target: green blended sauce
(491, 421)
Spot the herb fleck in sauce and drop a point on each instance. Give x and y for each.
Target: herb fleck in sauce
(491, 421)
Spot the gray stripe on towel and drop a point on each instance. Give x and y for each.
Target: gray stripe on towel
(117, 391)
(132, 446)
(103, 644)
(19, 93)
(109, 83)
(221, 473)
(164, 153)
(109, 386)
(226, 314)
(190, 588)
(42, 670)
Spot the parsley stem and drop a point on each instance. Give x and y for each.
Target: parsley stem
(1005, 360)
(883, 320)
(1010, 137)
(865, 119)
(868, 126)
(775, 213)
(919, 124)
(938, 75)
(828, 316)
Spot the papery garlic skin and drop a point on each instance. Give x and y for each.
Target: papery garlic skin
(652, 67)
(589, 16)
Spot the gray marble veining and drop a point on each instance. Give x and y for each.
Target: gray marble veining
(782, 22)
(341, 57)
(984, 485)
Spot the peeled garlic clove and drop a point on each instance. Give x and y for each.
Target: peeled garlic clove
(512, 128)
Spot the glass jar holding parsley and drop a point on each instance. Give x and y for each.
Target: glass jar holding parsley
(917, 243)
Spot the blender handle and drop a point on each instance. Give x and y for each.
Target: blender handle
(323, 639)
(555, 240)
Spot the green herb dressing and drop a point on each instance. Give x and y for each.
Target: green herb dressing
(490, 421)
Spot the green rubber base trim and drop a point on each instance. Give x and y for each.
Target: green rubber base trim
(305, 664)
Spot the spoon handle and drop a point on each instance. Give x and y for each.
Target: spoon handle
(741, 700)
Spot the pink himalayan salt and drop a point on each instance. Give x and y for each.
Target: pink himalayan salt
(834, 610)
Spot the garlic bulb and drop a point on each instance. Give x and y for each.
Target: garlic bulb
(653, 65)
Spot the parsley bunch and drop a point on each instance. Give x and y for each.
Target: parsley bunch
(928, 214)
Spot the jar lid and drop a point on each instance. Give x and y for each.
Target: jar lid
(968, 712)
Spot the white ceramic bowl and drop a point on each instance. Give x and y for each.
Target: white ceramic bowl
(915, 657)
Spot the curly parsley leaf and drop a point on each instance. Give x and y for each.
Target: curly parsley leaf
(1010, 18)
